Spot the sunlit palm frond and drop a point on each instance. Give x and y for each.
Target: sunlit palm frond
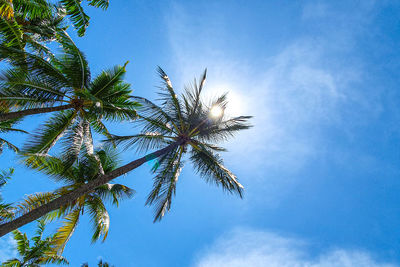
(22, 241)
(51, 166)
(142, 142)
(36, 253)
(12, 263)
(224, 130)
(168, 169)
(6, 9)
(210, 166)
(99, 217)
(72, 143)
(34, 201)
(170, 103)
(65, 232)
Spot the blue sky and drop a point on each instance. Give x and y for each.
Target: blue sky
(321, 164)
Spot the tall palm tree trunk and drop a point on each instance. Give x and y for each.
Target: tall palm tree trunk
(84, 189)
(32, 111)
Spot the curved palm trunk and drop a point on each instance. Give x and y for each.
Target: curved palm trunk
(84, 189)
(32, 111)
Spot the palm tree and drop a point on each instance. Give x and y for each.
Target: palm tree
(42, 251)
(63, 84)
(177, 127)
(30, 24)
(11, 9)
(86, 168)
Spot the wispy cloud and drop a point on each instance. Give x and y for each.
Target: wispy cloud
(7, 248)
(296, 93)
(250, 248)
(292, 94)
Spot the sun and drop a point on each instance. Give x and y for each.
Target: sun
(216, 111)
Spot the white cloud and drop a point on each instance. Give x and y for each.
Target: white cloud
(7, 248)
(248, 248)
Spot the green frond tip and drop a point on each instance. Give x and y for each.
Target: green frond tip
(126, 63)
(103, 4)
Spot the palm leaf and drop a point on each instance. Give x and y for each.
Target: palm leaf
(65, 232)
(164, 187)
(47, 135)
(78, 17)
(73, 63)
(99, 218)
(210, 166)
(22, 241)
(11, 33)
(99, 3)
(6, 9)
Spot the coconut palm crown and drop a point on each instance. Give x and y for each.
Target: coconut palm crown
(63, 86)
(35, 252)
(34, 9)
(30, 24)
(85, 169)
(185, 121)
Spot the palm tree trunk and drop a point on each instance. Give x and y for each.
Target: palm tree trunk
(84, 189)
(32, 111)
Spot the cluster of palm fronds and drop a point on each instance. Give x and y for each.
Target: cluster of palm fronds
(38, 81)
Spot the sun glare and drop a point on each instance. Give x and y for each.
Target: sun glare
(216, 111)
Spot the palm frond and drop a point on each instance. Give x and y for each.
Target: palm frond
(99, 218)
(11, 33)
(39, 231)
(114, 192)
(73, 63)
(33, 9)
(102, 84)
(12, 263)
(34, 201)
(72, 143)
(143, 142)
(27, 91)
(225, 129)
(210, 167)
(6, 9)
(51, 166)
(164, 188)
(170, 98)
(65, 232)
(77, 15)
(9, 145)
(22, 241)
(99, 3)
(47, 135)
